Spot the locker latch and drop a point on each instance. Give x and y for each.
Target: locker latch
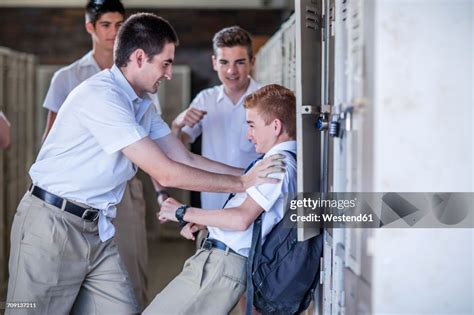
(340, 122)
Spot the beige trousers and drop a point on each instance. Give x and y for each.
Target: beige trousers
(58, 262)
(211, 282)
(130, 237)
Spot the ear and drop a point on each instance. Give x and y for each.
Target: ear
(252, 62)
(214, 63)
(277, 127)
(90, 28)
(139, 57)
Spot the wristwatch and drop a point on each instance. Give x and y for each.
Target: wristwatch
(180, 212)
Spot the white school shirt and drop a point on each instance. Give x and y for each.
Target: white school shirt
(81, 159)
(224, 134)
(271, 197)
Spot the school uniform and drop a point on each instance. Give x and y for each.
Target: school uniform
(213, 280)
(62, 253)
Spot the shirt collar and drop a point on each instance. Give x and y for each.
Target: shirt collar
(283, 146)
(125, 85)
(140, 105)
(88, 61)
(252, 87)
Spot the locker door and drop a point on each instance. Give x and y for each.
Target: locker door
(350, 151)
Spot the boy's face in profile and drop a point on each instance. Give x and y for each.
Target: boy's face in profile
(262, 135)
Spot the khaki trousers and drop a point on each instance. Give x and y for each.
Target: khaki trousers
(211, 282)
(130, 237)
(58, 262)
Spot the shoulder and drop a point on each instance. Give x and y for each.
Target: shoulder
(68, 70)
(101, 88)
(290, 163)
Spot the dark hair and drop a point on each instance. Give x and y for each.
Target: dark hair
(274, 102)
(96, 8)
(145, 31)
(232, 36)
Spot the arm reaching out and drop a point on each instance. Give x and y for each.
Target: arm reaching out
(236, 218)
(170, 171)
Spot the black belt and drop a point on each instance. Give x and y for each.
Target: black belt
(209, 243)
(89, 214)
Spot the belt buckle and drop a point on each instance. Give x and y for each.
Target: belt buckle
(206, 244)
(96, 212)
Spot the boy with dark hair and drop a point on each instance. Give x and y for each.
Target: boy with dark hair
(103, 19)
(62, 253)
(213, 280)
(96, 8)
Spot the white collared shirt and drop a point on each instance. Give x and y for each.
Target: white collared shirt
(271, 197)
(67, 78)
(81, 159)
(224, 134)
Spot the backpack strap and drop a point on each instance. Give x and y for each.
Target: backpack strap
(232, 195)
(254, 248)
(255, 251)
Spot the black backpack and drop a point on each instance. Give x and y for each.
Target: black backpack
(283, 273)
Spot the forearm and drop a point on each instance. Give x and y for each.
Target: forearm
(214, 166)
(176, 151)
(170, 173)
(157, 185)
(230, 218)
(186, 177)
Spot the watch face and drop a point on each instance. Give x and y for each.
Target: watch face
(180, 213)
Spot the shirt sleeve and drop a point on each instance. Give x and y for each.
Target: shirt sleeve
(267, 194)
(196, 131)
(159, 128)
(57, 92)
(111, 121)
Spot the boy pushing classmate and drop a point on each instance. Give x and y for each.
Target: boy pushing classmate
(213, 280)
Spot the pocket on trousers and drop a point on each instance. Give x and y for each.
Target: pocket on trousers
(235, 271)
(194, 266)
(41, 247)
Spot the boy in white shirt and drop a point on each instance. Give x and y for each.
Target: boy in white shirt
(213, 280)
